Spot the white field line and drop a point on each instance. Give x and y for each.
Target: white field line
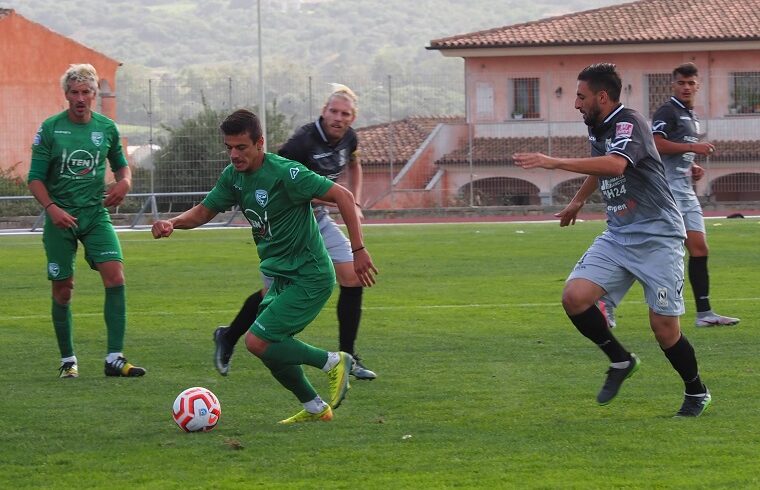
(133, 312)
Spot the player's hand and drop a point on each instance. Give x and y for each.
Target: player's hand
(534, 160)
(704, 149)
(60, 218)
(697, 172)
(568, 215)
(364, 268)
(162, 228)
(116, 193)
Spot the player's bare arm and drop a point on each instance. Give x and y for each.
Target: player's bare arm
(59, 217)
(667, 147)
(355, 181)
(607, 165)
(192, 218)
(363, 265)
(116, 193)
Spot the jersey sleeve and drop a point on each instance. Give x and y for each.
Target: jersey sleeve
(40, 155)
(295, 148)
(663, 120)
(116, 156)
(222, 197)
(302, 184)
(628, 139)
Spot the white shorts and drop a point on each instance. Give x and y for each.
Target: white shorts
(657, 265)
(693, 218)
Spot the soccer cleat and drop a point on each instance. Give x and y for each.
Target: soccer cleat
(614, 381)
(120, 367)
(609, 313)
(68, 370)
(222, 352)
(338, 376)
(325, 415)
(694, 405)
(715, 320)
(359, 371)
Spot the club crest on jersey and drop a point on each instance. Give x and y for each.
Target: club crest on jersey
(96, 137)
(623, 130)
(294, 172)
(262, 197)
(53, 269)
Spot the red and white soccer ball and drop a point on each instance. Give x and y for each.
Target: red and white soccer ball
(196, 410)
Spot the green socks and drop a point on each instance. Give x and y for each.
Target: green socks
(63, 329)
(115, 315)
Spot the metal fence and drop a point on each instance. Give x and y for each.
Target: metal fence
(418, 150)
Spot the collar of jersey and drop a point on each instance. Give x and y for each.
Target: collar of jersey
(606, 124)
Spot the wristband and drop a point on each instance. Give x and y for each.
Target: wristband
(51, 203)
(360, 248)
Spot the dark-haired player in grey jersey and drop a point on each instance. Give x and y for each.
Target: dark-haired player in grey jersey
(676, 134)
(643, 241)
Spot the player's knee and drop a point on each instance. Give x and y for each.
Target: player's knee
(255, 345)
(63, 291)
(574, 301)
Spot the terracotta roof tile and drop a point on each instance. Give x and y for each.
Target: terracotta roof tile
(408, 136)
(646, 21)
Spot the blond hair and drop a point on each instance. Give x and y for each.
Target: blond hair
(81, 73)
(342, 91)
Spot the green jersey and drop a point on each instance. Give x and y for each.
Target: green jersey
(70, 158)
(276, 200)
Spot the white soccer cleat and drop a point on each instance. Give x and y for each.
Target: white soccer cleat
(715, 320)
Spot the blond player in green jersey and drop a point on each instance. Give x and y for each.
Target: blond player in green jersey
(67, 177)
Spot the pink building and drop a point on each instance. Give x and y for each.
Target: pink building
(520, 90)
(32, 60)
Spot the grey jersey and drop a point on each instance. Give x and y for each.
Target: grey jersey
(677, 123)
(640, 206)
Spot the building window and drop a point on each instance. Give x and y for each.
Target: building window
(525, 102)
(745, 93)
(658, 86)
(484, 100)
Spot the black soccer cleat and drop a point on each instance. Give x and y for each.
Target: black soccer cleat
(222, 352)
(614, 381)
(694, 405)
(120, 367)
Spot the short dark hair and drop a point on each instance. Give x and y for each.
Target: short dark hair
(686, 70)
(242, 121)
(602, 76)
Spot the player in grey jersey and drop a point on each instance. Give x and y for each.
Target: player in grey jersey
(643, 241)
(676, 132)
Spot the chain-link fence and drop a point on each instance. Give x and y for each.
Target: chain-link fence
(418, 148)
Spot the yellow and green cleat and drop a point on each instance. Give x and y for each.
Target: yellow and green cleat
(325, 415)
(338, 376)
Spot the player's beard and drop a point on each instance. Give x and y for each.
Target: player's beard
(591, 116)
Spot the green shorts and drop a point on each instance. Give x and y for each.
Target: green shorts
(94, 229)
(287, 308)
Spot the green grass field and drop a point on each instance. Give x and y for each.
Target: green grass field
(483, 381)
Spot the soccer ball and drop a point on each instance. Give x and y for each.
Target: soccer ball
(196, 410)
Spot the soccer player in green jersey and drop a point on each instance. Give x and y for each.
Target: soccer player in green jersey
(67, 177)
(275, 195)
